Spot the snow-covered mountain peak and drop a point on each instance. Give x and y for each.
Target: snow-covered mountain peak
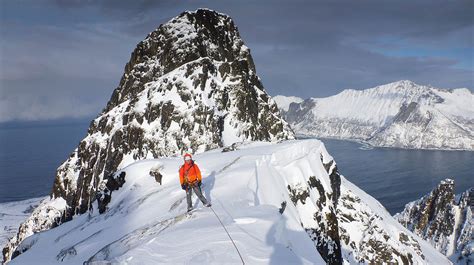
(190, 86)
(402, 90)
(185, 38)
(403, 83)
(399, 114)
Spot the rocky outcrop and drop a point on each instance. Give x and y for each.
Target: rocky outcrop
(370, 235)
(325, 235)
(444, 220)
(400, 114)
(348, 225)
(191, 85)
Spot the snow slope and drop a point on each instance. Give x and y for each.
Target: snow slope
(11, 216)
(277, 201)
(400, 114)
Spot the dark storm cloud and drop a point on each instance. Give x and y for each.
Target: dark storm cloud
(303, 48)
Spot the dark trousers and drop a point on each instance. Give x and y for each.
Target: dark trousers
(189, 193)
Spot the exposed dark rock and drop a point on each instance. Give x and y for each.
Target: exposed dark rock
(230, 148)
(433, 217)
(104, 196)
(282, 208)
(315, 183)
(330, 250)
(326, 235)
(298, 194)
(405, 111)
(157, 175)
(297, 112)
(335, 177)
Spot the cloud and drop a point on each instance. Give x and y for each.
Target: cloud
(53, 72)
(59, 51)
(319, 74)
(40, 100)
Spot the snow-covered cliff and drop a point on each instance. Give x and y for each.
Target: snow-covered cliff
(401, 114)
(444, 220)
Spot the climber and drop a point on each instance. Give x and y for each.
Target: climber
(190, 178)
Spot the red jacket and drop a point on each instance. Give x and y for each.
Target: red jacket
(189, 173)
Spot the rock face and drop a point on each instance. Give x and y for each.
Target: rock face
(401, 114)
(317, 208)
(444, 220)
(368, 233)
(191, 85)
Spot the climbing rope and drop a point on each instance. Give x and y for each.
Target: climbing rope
(223, 226)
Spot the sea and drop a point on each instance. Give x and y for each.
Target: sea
(30, 153)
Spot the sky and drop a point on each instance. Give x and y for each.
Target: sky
(62, 59)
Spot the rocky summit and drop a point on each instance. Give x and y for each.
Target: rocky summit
(190, 86)
(444, 220)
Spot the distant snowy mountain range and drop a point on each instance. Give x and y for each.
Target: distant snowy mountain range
(400, 114)
(191, 86)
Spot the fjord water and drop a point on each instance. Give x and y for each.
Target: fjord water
(31, 152)
(397, 176)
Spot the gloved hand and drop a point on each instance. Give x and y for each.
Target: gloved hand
(199, 183)
(183, 186)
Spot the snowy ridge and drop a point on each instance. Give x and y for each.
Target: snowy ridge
(444, 221)
(400, 114)
(269, 196)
